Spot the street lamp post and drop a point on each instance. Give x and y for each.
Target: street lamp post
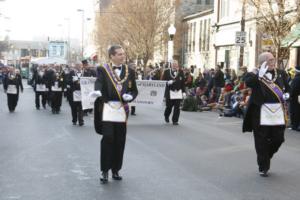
(82, 31)
(171, 31)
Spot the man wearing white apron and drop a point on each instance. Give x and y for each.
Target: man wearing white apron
(175, 91)
(116, 87)
(266, 113)
(12, 85)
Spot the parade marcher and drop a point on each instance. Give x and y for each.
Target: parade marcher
(38, 82)
(74, 97)
(266, 111)
(57, 88)
(134, 67)
(49, 73)
(116, 83)
(295, 101)
(12, 84)
(87, 71)
(174, 92)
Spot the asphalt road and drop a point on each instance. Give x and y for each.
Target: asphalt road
(44, 157)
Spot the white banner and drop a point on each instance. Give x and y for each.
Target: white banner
(151, 93)
(87, 85)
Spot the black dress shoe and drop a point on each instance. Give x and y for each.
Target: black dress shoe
(74, 123)
(116, 176)
(167, 120)
(81, 123)
(104, 177)
(175, 123)
(263, 173)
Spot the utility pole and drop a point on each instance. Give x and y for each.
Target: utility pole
(241, 59)
(82, 31)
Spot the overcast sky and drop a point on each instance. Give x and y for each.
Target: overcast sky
(29, 19)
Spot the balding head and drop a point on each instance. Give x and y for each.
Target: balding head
(175, 65)
(267, 57)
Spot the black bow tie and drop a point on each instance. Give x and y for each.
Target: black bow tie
(116, 67)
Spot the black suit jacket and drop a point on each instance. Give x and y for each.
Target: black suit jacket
(178, 82)
(17, 81)
(257, 98)
(109, 93)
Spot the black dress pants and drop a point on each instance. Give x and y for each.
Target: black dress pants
(267, 141)
(56, 101)
(77, 112)
(12, 101)
(112, 146)
(169, 105)
(37, 99)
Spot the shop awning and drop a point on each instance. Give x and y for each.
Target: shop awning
(292, 36)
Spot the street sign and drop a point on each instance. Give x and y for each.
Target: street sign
(240, 38)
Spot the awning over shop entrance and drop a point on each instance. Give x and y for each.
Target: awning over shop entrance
(292, 36)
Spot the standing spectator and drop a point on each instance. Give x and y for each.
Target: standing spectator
(233, 76)
(295, 101)
(219, 81)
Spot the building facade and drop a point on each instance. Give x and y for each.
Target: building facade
(227, 22)
(20, 50)
(197, 39)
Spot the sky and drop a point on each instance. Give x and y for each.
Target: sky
(40, 19)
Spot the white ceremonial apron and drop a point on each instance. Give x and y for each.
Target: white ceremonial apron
(177, 94)
(40, 88)
(113, 111)
(77, 95)
(271, 114)
(11, 89)
(55, 88)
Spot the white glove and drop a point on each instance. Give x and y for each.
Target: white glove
(184, 95)
(286, 96)
(95, 94)
(263, 69)
(127, 97)
(170, 82)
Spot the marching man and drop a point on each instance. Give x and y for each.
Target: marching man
(174, 92)
(115, 87)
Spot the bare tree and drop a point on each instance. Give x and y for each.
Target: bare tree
(138, 25)
(276, 18)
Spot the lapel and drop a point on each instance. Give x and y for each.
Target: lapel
(122, 72)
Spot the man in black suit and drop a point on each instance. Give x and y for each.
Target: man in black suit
(12, 85)
(38, 82)
(269, 86)
(115, 87)
(174, 92)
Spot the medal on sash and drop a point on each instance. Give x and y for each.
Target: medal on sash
(119, 87)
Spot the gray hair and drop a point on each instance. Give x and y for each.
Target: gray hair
(263, 57)
(112, 49)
